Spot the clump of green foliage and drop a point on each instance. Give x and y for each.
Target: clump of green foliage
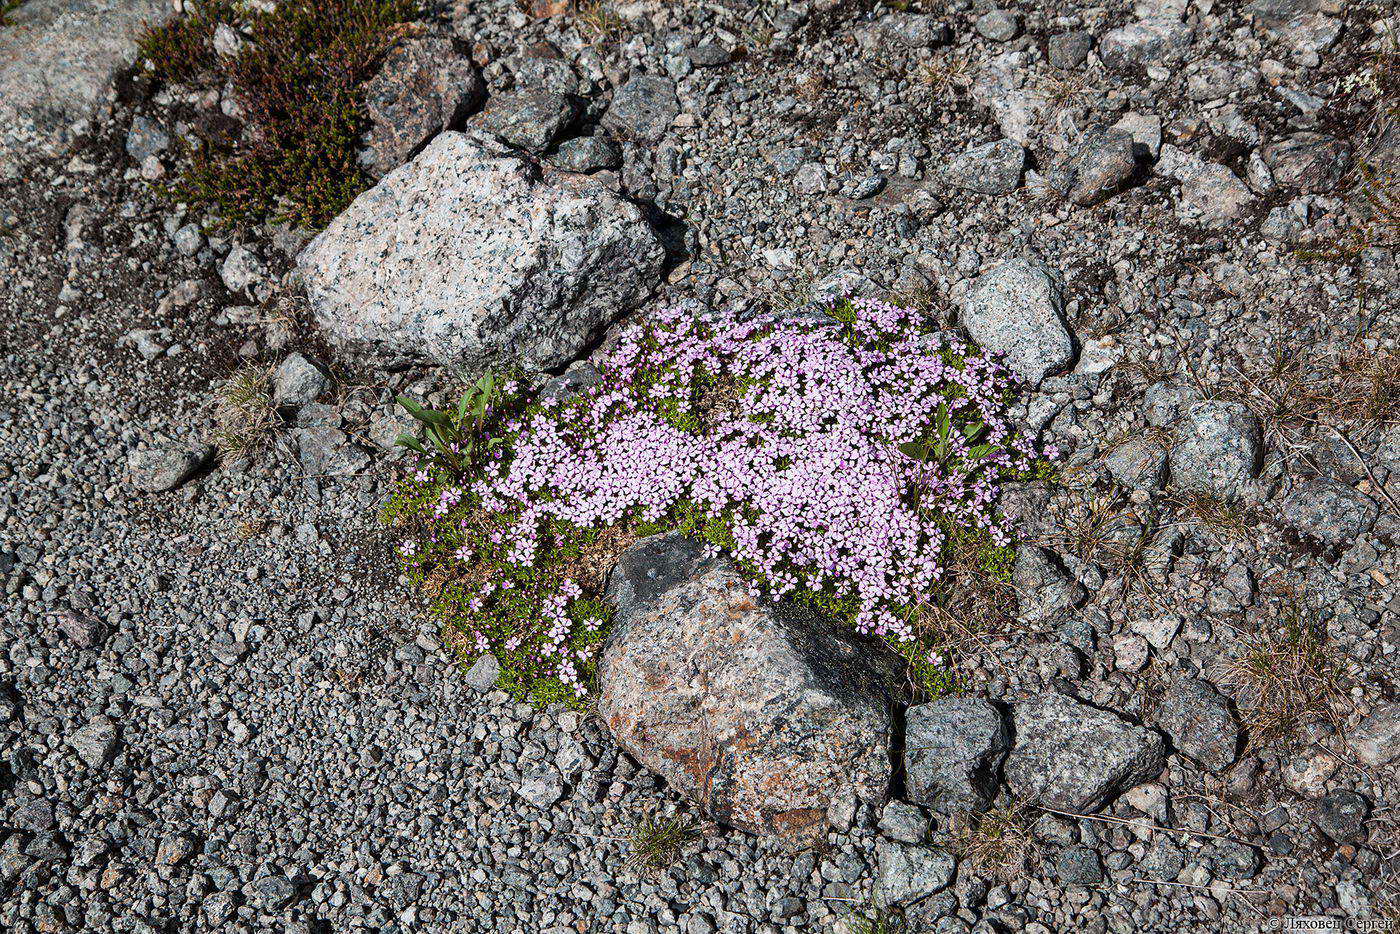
(297, 79)
(657, 842)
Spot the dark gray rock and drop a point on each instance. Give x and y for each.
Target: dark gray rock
(1216, 449)
(587, 154)
(1197, 718)
(1073, 757)
(1078, 865)
(1236, 860)
(1341, 815)
(1308, 161)
(1329, 511)
(1100, 165)
(992, 168)
(482, 675)
(643, 109)
(1069, 50)
(904, 823)
(298, 381)
(80, 627)
(166, 466)
(96, 742)
(1043, 589)
(272, 891)
(907, 874)
(708, 55)
(953, 747)
(328, 452)
(146, 138)
(529, 120)
(423, 87)
(761, 716)
(1017, 310)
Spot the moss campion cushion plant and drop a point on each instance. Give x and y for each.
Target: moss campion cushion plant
(831, 454)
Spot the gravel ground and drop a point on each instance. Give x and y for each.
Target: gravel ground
(219, 712)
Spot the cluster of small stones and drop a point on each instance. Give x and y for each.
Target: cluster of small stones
(217, 712)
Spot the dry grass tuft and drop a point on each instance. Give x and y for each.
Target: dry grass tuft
(597, 19)
(243, 411)
(999, 842)
(1214, 512)
(1284, 673)
(658, 842)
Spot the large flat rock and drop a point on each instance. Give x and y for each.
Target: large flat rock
(57, 61)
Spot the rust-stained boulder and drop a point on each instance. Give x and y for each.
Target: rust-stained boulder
(760, 715)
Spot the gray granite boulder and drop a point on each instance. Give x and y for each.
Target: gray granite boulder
(761, 716)
(1073, 757)
(529, 120)
(1329, 511)
(1100, 165)
(1017, 310)
(57, 62)
(1197, 717)
(1308, 161)
(907, 874)
(953, 747)
(992, 168)
(643, 109)
(470, 256)
(1211, 195)
(1216, 448)
(1155, 41)
(424, 86)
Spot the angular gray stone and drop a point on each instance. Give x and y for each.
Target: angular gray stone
(643, 109)
(1341, 815)
(1329, 511)
(1043, 589)
(1069, 50)
(904, 823)
(146, 138)
(96, 742)
(166, 466)
(1308, 161)
(992, 168)
(241, 269)
(1376, 740)
(907, 874)
(1138, 463)
(1211, 195)
(1160, 41)
(423, 87)
(529, 120)
(998, 25)
(587, 154)
(1017, 310)
(298, 381)
(541, 788)
(482, 675)
(324, 451)
(1216, 448)
(953, 747)
(1100, 165)
(1078, 865)
(1197, 717)
(761, 715)
(468, 257)
(917, 30)
(1073, 757)
(57, 62)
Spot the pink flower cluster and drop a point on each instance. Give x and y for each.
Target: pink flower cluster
(791, 430)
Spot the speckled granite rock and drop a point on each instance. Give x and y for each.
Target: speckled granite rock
(424, 87)
(57, 61)
(1074, 757)
(469, 256)
(760, 716)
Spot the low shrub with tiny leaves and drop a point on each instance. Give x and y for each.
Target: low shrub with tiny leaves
(837, 457)
(297, 79)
